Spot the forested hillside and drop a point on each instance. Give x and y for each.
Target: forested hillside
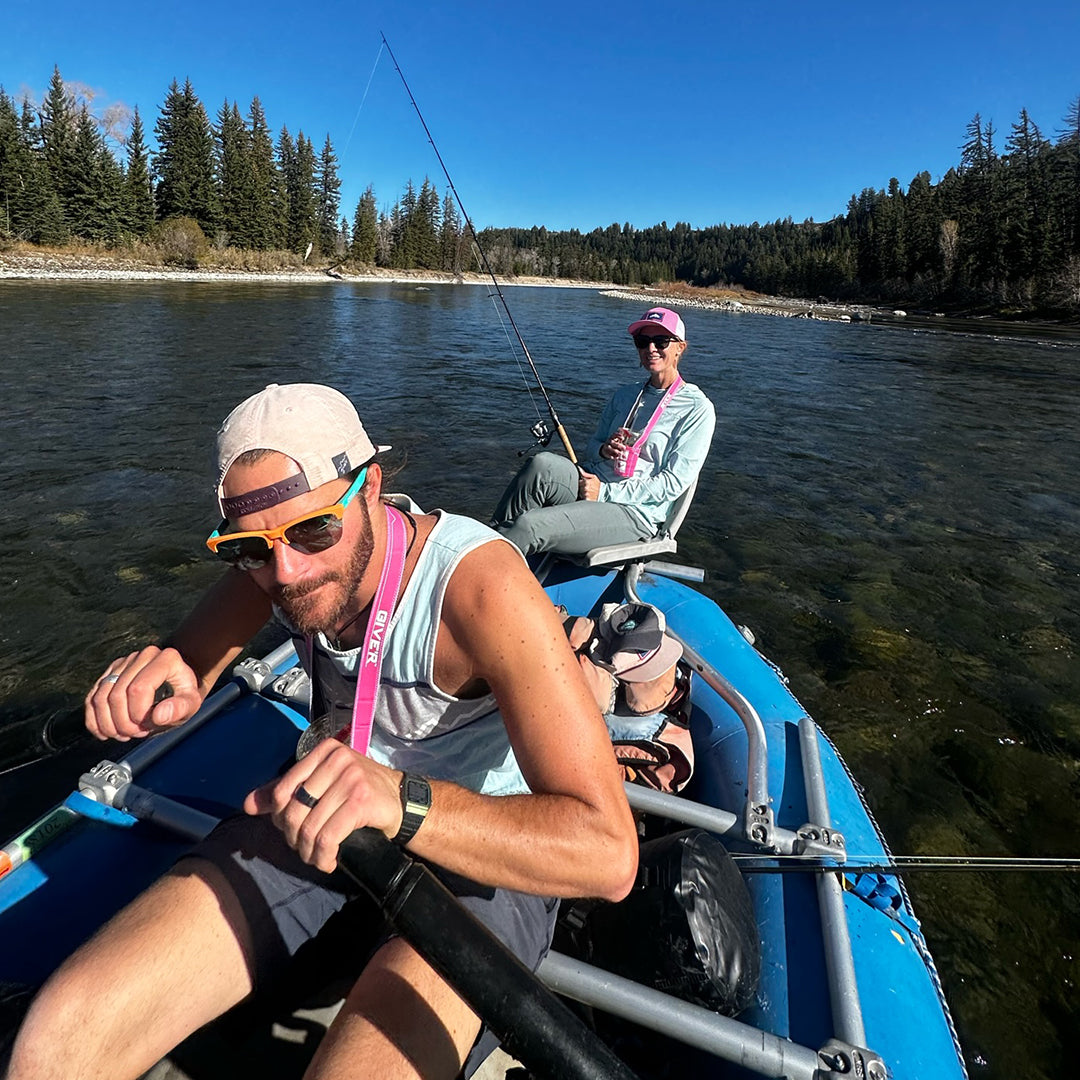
(999, 231)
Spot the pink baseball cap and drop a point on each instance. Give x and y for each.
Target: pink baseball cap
(659, 317)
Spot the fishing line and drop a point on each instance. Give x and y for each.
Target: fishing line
(899, 864)
(510, 343)
(378, 56)
(560, 430)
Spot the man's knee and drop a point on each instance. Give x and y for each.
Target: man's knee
(399, 1011)
(55, 1032)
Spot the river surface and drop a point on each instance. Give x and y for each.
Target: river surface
(893, 510)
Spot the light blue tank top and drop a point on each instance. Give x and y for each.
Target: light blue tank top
(418, 727)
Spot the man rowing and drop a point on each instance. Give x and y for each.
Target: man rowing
(475, 744)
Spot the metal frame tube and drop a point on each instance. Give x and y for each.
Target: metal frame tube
(153, 749)
(839, 961)
(728, 1039)
(676, 808)
(757, 757)
(679, 808)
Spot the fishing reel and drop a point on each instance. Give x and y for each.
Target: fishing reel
(541, 433)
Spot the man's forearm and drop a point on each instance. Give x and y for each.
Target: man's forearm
(554, 845)
(226, 618)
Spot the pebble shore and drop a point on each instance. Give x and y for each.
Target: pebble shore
(72, 267)
(783, 307)
(50, 266)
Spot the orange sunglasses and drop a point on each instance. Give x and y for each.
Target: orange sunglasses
(308, 534)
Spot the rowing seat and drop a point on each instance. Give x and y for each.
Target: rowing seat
(663, 543)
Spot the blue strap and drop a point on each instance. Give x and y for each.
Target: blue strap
(880, 893)
(91, 808)
(877, 891)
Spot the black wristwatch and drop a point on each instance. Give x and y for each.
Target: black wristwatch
(415, 804)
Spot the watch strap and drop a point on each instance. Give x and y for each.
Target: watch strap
(415, 804)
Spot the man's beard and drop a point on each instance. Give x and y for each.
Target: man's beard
(300, 605)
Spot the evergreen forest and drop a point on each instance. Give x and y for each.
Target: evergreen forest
(1000, 231)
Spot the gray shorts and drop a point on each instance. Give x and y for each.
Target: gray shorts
(324, 927)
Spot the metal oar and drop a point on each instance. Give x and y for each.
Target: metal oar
(900, 864)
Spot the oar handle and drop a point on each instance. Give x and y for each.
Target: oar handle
(526, 1017)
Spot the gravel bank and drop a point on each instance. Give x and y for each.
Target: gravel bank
(759, 305)
(72, 267)
(52, 266)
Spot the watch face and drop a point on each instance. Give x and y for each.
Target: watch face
(417, 791)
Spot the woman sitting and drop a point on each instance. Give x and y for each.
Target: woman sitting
(648, 448)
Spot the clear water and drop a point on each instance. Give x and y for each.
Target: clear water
(894, 511)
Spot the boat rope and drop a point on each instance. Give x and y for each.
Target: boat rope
(559, 429)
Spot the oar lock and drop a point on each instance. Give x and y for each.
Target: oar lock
(106, 782)
(842, 1058)
(818, 840)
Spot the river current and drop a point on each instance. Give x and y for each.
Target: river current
(893, 511)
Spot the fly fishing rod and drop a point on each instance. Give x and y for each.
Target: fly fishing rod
(900, 864)
(539, 430)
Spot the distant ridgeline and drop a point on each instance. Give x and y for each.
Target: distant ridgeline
(1000, 230)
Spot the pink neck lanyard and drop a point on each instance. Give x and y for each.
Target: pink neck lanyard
(370, 659)
(634, 452)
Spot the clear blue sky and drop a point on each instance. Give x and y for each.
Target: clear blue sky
(577, 115)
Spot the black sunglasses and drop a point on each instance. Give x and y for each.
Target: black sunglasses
(643, 341)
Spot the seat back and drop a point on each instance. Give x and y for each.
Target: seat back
(663, 543)
(677, 514)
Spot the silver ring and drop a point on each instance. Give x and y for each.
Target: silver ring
(302, 795)
(110, 678)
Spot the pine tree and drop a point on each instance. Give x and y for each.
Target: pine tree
(450, 237)
(1065, 182)
(300, 182)
(286, 170)
(426, 227)
(265, 222)
(365, 226)
(138, 215)
(94, 199)
(56, 130)
(44, 221)
(184, 162)
(232, 158)
(922, 225)
(980, 219)
(1025, 200)
(15, 170)
(403, 222)
(328, 201)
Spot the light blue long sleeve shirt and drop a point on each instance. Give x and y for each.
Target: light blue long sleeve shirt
(671, 458)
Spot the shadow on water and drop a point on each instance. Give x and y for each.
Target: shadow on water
(893, 511)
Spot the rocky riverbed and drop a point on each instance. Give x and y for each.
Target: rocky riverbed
(48, 265)
(72, 266)
(755, 304)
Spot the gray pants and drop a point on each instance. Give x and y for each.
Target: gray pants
(540, 511)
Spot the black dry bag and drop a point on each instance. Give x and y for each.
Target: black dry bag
(687, 928)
